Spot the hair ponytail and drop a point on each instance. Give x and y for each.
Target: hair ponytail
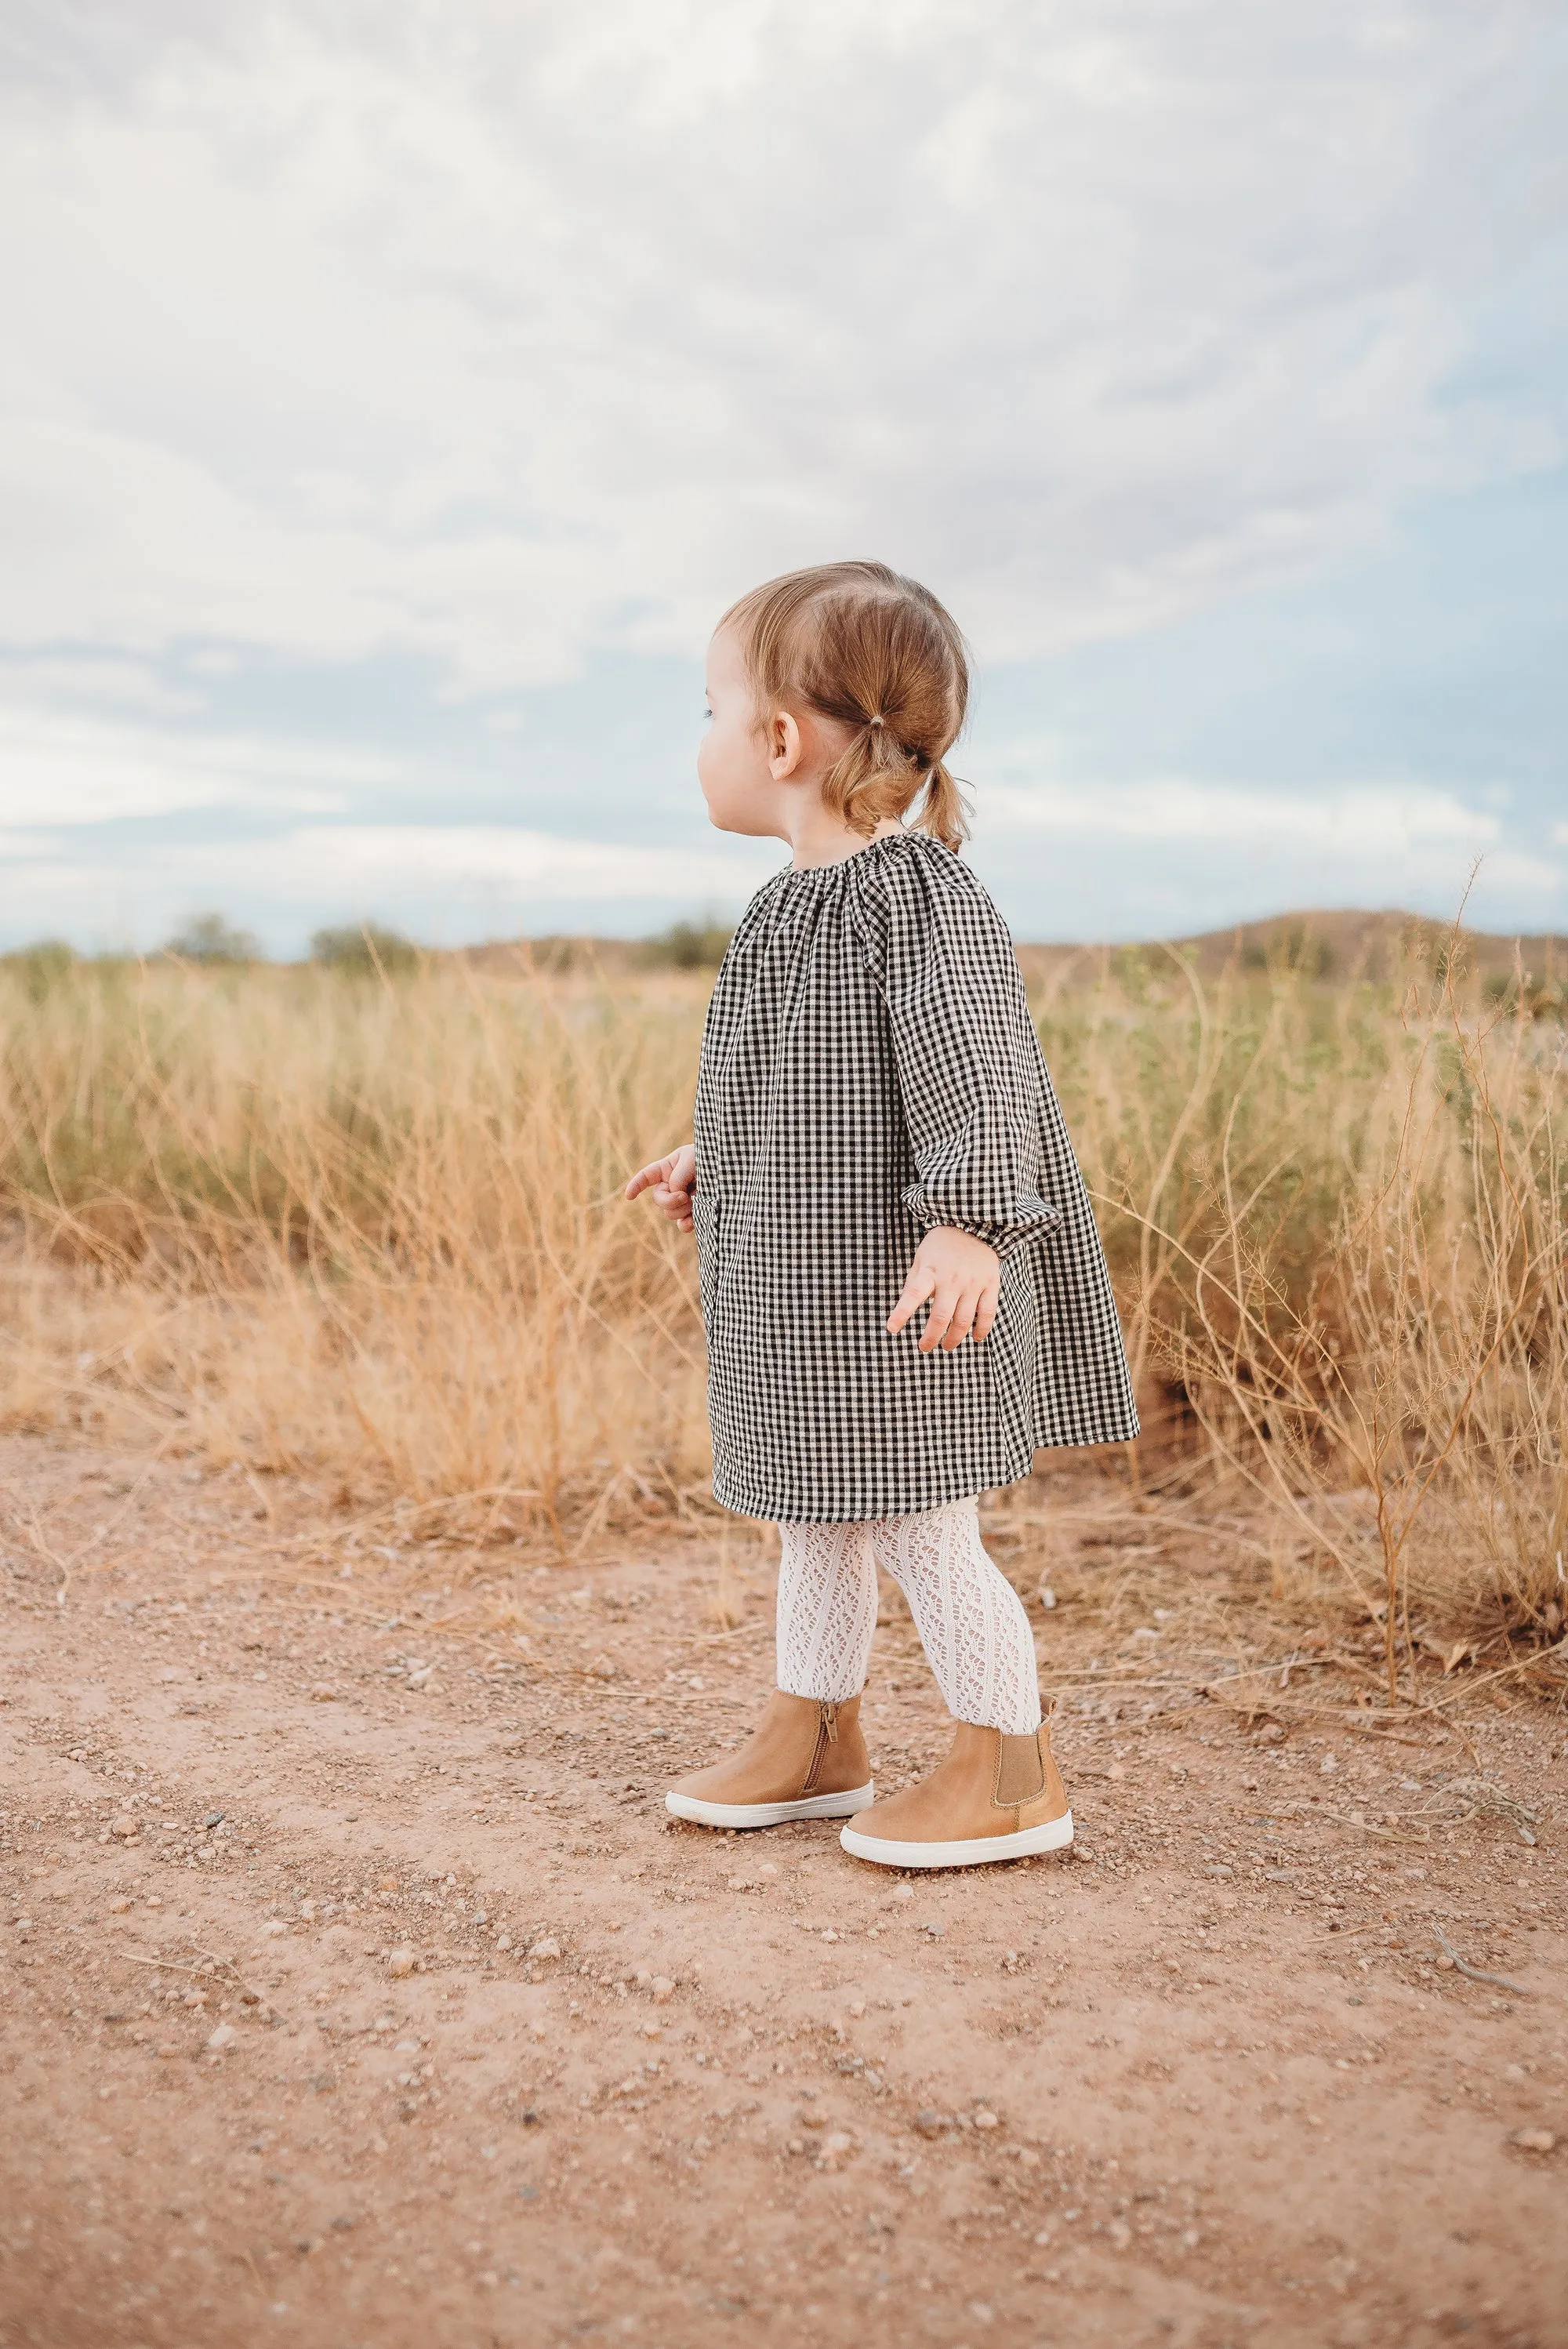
(878, 654)
(944, 812)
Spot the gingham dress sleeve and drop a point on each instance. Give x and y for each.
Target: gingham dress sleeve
(964, 1050)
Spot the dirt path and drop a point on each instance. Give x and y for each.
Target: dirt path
(1209, 2081)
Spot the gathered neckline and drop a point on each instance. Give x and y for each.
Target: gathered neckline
(795, 874)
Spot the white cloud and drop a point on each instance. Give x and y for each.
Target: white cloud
(1174, 855)
(443, 884)
(508, 332)
(331, 864)
(60, 772)
(1376, 819)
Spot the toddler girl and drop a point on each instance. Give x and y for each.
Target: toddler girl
(876, 1138)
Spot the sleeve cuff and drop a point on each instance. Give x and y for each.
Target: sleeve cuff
(1033, 1219)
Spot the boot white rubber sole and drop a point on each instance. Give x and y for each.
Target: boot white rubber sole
(771, 1815)
(975, 1851)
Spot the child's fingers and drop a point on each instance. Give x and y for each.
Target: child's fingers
(962, 1321)
(676, 1170)
(987, 1315)
(943, 1306)
(916, 1290)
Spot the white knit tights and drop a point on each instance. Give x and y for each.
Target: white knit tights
(970, 1617)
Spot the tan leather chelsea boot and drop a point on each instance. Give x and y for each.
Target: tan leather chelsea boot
(995, 1797)
(804, 1760)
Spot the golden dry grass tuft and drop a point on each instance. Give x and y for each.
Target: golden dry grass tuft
(367, 1230)
(371, 1229)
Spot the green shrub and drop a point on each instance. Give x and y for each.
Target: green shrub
(365, 950)
(208, 938)
(687, 946)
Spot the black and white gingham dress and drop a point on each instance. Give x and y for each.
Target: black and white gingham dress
(870, 1068)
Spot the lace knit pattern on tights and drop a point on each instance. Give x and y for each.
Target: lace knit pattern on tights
(827, 1611)
(970, 1619)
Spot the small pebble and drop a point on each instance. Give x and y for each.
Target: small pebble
(986, 2120)
(124, 1827)
(224, 2035)
(1534, 2140)
(548, 1947)
(322, 1693)
(664, 1989)
(400, 1962)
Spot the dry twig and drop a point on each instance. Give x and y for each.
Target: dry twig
(1476, 1973)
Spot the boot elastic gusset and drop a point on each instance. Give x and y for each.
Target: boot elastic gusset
(995, 1797)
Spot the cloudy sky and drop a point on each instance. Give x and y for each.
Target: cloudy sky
(391, 396)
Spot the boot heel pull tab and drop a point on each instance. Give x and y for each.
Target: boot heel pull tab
(829, 1716)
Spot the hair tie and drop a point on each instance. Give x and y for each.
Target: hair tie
(876, 721)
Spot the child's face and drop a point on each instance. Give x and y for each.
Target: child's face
(733, 765)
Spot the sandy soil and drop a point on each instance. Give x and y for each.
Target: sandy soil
(1211, 2080)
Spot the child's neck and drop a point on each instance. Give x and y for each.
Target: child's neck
(818, 837)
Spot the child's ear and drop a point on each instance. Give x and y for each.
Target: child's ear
(783, 745)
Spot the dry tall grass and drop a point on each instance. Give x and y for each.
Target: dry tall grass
(366, 1229)
(372, 1230)
(1354, 1265)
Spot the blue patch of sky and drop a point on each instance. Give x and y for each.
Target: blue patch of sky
(1436, 658)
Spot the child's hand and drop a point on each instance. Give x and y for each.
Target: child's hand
(962, 1276)
(672, 1181)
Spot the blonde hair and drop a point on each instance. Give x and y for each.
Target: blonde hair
(876, 652)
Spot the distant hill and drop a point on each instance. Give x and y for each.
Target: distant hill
(1337, 945)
